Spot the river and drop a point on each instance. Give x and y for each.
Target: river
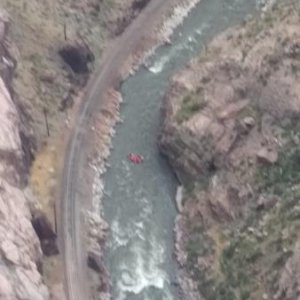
(139, 199)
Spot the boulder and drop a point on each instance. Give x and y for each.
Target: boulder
(266, 201)
(10, 252)
(267, 156)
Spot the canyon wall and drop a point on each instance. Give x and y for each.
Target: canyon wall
(231, 133)
(20, 253)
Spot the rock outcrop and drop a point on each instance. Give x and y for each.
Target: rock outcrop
(20, 253)
(231, 132)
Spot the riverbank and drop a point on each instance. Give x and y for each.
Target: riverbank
(230, 132)
(103, 126)
(90, 110)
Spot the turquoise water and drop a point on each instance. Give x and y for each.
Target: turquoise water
(139, 199)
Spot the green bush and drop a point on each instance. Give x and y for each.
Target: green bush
(190, 105)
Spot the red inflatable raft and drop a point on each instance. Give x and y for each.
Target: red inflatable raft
(135, 158)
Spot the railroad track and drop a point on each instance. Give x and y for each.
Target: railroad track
(106, 76)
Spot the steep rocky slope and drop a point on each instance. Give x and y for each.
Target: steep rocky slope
(20, 253)
(231, 132)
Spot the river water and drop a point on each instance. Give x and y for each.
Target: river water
(139, 199)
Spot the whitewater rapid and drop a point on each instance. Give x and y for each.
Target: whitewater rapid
(139, 201)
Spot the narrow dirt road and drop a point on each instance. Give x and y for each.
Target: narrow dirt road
(105, 77)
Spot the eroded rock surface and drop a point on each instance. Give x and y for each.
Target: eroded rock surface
(231, 132)
(20, 251)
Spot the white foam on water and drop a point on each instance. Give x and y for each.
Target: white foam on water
(147, 209)
(122, 234)
(159, 65)
(168, 295)
(191, 39)
(143, 271)
(119, 237)
(201, 29)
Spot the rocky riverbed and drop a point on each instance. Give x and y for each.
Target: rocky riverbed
(231, 133)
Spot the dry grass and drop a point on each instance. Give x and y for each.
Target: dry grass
(43, 179)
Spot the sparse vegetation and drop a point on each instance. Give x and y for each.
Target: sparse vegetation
(255, 27)
(258, 247)
(191, 104)
(283, 174)
(208, 53)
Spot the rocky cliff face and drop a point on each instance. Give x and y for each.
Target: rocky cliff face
(231, 132)
(20, 252)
